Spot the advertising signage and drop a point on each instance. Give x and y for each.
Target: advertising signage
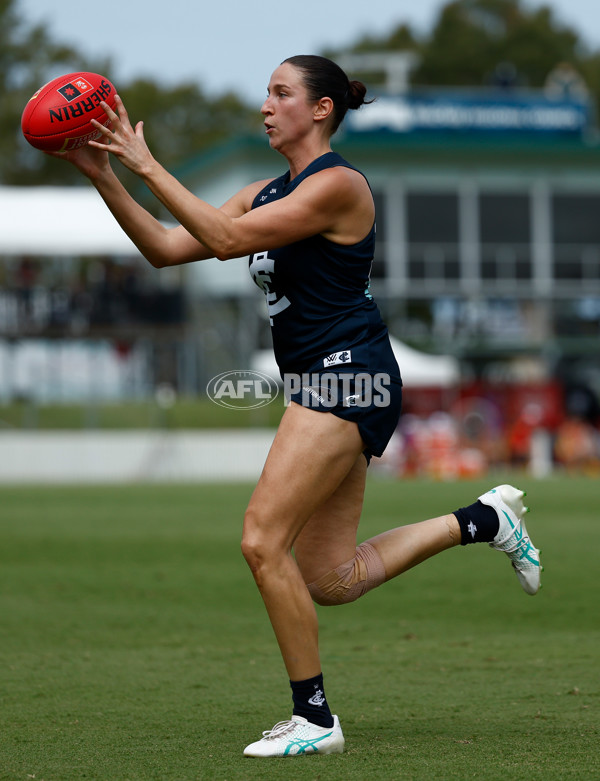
(514, 113)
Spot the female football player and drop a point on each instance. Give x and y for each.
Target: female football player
(309, 235)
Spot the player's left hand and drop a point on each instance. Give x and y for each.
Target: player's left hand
(122, 140)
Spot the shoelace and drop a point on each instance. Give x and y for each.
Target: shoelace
(522, 547)
(279, 729)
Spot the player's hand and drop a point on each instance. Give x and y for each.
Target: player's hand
(122, 140)
(92, 163)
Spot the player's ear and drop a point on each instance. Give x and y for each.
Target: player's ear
(323, 109)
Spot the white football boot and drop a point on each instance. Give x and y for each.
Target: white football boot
(298, 736)
(512, 537)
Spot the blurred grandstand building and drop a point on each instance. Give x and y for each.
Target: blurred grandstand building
(488, 224)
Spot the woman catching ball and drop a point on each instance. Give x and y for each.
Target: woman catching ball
(310, 236)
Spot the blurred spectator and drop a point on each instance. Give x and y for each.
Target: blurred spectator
(25, 279)
(431, 447)
(581, 402)
(576, 445)
(564, 82)
(505, 76)
(519, 434)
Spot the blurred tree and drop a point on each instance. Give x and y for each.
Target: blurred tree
(472, 43)
(500, 42)
(487, 42)
(28, 59)
(401, 39)
(180, 121)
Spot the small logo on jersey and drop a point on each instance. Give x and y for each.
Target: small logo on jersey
(317, 699)
(242, 389)
(273, 190)
(352, 401)
(336, 358)
(471, 528)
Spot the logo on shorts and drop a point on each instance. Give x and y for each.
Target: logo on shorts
(328, 389)
(75, 88)
(320, 395)
(336, 358)
(242, 389)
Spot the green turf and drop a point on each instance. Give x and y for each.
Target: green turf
(186, 413)
(134, 646)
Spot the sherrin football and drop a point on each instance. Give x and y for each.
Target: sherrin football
(57, 118)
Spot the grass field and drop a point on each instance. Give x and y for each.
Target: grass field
(186, 413)
(134, 646)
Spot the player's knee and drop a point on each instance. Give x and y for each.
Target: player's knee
(254, 550)
(350, 580)
(258, 547)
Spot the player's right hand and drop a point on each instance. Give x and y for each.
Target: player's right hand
(92, 161)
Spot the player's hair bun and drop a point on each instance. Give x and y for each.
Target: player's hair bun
(356, 94)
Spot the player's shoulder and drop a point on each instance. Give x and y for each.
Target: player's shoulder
(338, 176)
(339, 184)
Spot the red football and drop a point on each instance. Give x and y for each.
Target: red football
(57, 118)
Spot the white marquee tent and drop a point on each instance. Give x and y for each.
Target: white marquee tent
(58, 221)
(418, 369)
(75, 221)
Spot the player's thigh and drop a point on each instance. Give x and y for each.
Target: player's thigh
(328, 539)
(310, 456)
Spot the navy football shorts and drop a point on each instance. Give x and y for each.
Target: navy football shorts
(356, 392)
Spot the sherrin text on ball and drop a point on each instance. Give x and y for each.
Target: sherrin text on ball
(57, 117)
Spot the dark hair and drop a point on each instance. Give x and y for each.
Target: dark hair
(324, 79)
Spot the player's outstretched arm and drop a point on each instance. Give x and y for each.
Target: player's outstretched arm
(161, 246)
(184, 243)
(128, 144)
(336, 203)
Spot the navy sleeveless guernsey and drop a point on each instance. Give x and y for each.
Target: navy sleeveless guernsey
(322, 314)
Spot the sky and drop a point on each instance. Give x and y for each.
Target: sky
(236, 44)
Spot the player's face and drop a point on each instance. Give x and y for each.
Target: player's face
(287, 110)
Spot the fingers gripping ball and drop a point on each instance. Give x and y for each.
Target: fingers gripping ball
(57, 117)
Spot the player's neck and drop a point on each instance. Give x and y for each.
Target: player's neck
(301, 157)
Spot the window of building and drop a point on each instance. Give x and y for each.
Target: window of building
(505, 236)
(433, 236)
(576, 237)
(378, 269)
